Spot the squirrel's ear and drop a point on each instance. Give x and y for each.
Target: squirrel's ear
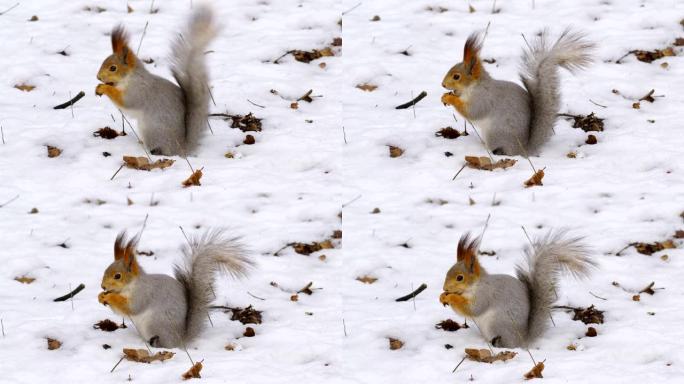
(471, 52)
(129, 253)
(120, 246)
(119, 39)
(467, 251)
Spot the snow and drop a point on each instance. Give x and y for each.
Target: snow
(291, 185)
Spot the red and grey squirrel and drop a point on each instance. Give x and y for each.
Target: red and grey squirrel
(513, 311)
(171, 118)
(170, 311)
(514, 120)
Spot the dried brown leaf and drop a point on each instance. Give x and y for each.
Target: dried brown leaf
(25, 279)
(193, 372)
(247, 315)
(485, 355)
(368, 87)
(143, 355)
(536, 371)
(395, 344)
(249, 332)
(53, 344)
(367, 279)
(143, 163)
(485, 163)
(108, 133)
(25, 87)
(53, 151)
(450, 133)
(450, 325)
(108, 325)
(395, 151)
(194, 179)
(536, 179)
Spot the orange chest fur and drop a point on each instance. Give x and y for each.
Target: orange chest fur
(460, 104)
(460, 304)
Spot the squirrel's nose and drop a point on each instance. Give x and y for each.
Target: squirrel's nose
(99, 77)
(443, 85)
(103, 287)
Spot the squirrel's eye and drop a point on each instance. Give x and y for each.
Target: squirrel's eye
(459, 278)
(457, 76)
(118, 276)
(112, 68)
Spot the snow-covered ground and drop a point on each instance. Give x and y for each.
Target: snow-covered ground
(331, 156)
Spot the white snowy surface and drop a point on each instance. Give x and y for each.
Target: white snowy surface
(290, 187)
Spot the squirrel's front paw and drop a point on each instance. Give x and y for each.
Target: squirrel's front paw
(100, 89)
(449, 98)
(102, 298)
(443, 298)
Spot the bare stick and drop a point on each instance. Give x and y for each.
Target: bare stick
(413, 102)
(117, 364)
(485, 227)
(71, 299)
(71, 102)
(136, 135)
(140, 334)
(459, 171)
(71, 294)
(143, 36)
(595, 103)
(2, 325)
(71, 106)
(344, 136)
(351, 9)
(152, 6)
(143, 226)
(184, 235)
(413, 294)
(344, 326)
(117, 171)
(2, 133)
(281, 56)
(351, 201)
(17, 4)
(9, 201)
(459, 364)
(598, 297)
(256, 297)
(255, 104)
(525, 154)
(483, 143)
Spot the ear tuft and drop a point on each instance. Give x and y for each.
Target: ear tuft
(120, 246)
(119, 39)
(467, 249)
(472, 48)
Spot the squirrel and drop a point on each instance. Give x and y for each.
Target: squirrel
(170, 311)
(515, 120)
(513, 311)
(171, 118)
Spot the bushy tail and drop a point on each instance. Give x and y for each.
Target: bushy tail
(540, 76)
(546, 259)
(189, 69)
(205, 256)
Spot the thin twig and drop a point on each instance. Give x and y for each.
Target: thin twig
(413, 102)
(344, 135)
(71, 294)
(136, 135)
(137, 51)
(595, 103)
(459, 171)
(184, 235)
(253, 103)
(413, 294)
(459, 364)
(71, 102)
(483, 143)
(143, 226)
(351, 9)
(2, 325)
(9, 201)
(344, 326)
(117, 171)
(117, 364)
(351, 201)
(17, 4)
(596, 296)
(71, 106)
(2, 133)
(256, 297)
(485, 227)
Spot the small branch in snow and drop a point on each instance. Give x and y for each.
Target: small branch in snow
(71, 102)
(351, 201)
(344, 135)
(71, 294)
(459, 171)
(256, 297)
(412, 102)
(9, 201)
(2, 133)
(597, 104)
(598, 297)
(255, 104)
(17, 4)
(117, 364)
(115, 173)
(137, 51)
(459, 364)
(2, 325)
(413, 294)
(344, 327)
(351, 9)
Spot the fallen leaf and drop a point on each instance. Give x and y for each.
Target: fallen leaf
(249, 140)
(591, 332)
(307, 249)
(589, 123)
(35, 18)
(143, 163)
(108, 133)
(33, 210)
(589, 315)
(375, 210)
(108, 325)
(249, 332)
(485, 163)
(651, 248)
(536, 371)
(450, 133)
(25, 87)
(375, 18)
(129, 9)
(536, 179)
(143, 356)
(679, 234)
(450, 325)
(53, 151)
(367, 87)
(314, 54)
(395, 344)
(247, 315)
(294, 297)
(53, 344)
(650, 56)
(337, 42)
(194, 179)
(591, 140)
(246, 123)
(193, 372)
(366, 279)
(307, 289)
(294, 105)
(25, 279)
(395, 151)
(485, 355)
(679, 42)
(649, 289)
